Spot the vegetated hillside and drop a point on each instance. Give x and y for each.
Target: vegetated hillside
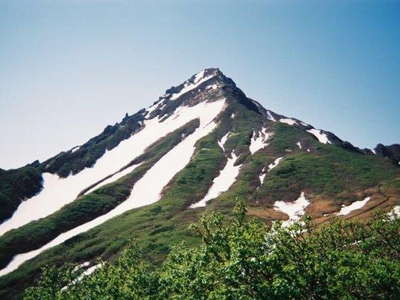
(241, 258)
(17, 185)
(163, 162)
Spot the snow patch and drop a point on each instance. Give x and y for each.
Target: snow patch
(85, 273)
(75, 149)
(259, 142)
(199, 76)
(113, 178)
(395, 212)
(270, 116)
(222, 182)
(274, 164)
(288, 121)
(89, 271)
(188, 86)
(212, 87)
(82, 265)
(221, 143)
(259, 106)
(322, 137)
(147, 190)
(299, 145)
(262, 176)
(152, 108)
(50, 199)
(345, 210)
(295, 210)
(232, 115)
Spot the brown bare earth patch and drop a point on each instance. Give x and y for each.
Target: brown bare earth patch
(268, 214)
(379, 203)
(321, 207)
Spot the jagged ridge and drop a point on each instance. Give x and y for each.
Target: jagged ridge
(253, 134)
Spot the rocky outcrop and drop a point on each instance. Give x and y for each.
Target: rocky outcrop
(392, 152)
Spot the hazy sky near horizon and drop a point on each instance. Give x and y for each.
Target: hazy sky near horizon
(70, 67)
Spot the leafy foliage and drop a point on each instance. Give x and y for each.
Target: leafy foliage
(144, 224)
(159, 226)
(286, 136)
(88, 207)
(241, 258)
(15, 186)
(330, 171)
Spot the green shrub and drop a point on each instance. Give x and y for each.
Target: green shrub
(241, 258)
(15, 186)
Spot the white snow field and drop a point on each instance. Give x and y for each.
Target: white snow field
(147, 190)
(322, 137)
(199, 79)
(304, 123)
(295, 210)
(89, 271)
(76, 148)
(113, 178)
(345, 210)
(288, 121)
(221, 143)
(212, 87)
(222, 182)
(274, 164)
(259, 142)
(50, 199)
(270, 116)
(395, 212)
(262, 176)
(85, 273)
(82, 265)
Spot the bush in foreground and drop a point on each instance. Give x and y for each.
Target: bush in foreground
(241, 258)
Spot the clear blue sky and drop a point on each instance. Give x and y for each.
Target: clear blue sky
(70, 67)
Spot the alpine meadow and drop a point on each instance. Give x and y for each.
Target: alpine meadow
(205, 194)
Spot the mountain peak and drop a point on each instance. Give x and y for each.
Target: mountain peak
(210, 71)
(207, 85)
(194, 82)
(201, 144)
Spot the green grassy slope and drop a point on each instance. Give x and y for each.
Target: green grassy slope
(19, 184)
(68, 162)
(326, 170)
(15, 186)
(241, 258)
(156, 227)
(37, 233)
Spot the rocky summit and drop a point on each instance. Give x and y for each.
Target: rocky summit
(200, 147)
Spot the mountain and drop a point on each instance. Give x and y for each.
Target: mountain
(198, 148)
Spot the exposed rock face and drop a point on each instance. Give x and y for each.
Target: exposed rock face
(392, 152)
(203, 143)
